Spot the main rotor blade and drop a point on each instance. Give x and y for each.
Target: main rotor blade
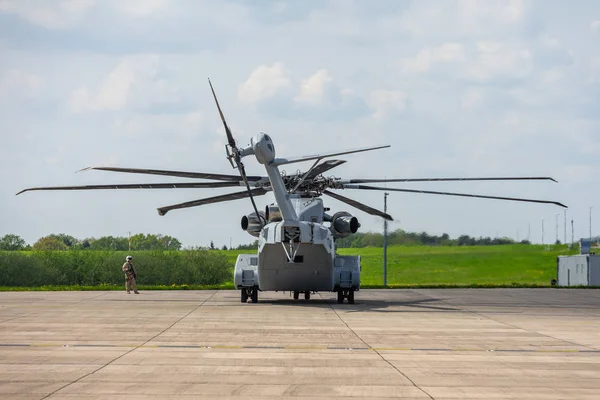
(283, 161)
(364, 187)
(183, 174)
(185, 185)
(360, 206)
(344, 181)
(236, 154)
(323, 167)
(215, 199)
(230, 138)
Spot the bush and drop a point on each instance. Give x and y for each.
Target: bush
(86, 267)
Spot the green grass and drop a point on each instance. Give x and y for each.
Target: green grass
(407, 266)
(473, 266)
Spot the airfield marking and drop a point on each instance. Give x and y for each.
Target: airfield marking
(375, 349)
(384, 359)
(135, 347)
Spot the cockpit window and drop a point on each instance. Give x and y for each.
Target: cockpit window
(267, 138)
(270, 146)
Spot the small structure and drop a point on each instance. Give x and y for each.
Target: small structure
(585, 246)
(578, 270)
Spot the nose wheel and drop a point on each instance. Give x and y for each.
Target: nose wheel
(251, 293)
(306, 295)
(345, 294)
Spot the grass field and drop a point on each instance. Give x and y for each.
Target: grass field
(529, 265)
(407, 266)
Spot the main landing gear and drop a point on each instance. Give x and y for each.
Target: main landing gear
(250, 292)
(345, 293)
(306, 295)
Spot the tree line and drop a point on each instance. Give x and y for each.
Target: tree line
(63, 241)
(401, 237)
(142, 241)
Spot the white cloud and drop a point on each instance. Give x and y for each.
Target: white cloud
(595, 26)
(49, 14)
(427, 57)
(141, 8)
(487, 61)
(496, 59)
(499, 11)
(312, 90)
(147, 125)
(595, 69)
(135, 81)
(467, 17)
(264, 83)
(528, 97)
(472, 99)
(552, 75)
(384, 102)
(15, 83)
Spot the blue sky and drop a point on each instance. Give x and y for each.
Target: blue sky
(457, 88)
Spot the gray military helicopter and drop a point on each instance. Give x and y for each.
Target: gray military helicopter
(296, 234)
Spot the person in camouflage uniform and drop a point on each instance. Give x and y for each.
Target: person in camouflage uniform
(130, 275)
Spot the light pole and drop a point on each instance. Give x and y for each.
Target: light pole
(556, 217)
(542, 230)
(591, 226)
(385, 195)
(565, 226)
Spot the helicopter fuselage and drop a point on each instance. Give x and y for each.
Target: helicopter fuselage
(296, 250)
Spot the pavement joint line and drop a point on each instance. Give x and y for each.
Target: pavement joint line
(482, 314)
(375, 349)
(376, 352)
(131, 350)
(51, 306)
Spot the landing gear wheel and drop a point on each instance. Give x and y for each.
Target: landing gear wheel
(296, 295)
(340, 297)
(244, 296)
(254, 295)
(351, 296)
(307, 295)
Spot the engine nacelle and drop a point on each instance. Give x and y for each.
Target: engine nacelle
(272, 213)
(343, 224)
(252, 223)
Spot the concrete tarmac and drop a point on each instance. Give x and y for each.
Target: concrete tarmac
(411, 344)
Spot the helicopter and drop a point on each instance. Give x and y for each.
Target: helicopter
(296, 234)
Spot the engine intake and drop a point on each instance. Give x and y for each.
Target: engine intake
(343, 224)
(251, 223)
(272, 213)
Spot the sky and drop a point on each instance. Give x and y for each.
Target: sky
(462, 88)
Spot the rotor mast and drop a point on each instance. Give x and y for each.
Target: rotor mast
(280, 192)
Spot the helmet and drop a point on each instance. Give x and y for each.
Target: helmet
(128, 258)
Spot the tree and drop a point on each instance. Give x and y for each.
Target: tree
(50, 242)
(68, 240)
(12, 242)
(154, 242)
(212, 245)
(224, 247)
(108, 243)
(250, 246)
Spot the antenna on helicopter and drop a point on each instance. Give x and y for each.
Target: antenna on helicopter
(236, 155)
